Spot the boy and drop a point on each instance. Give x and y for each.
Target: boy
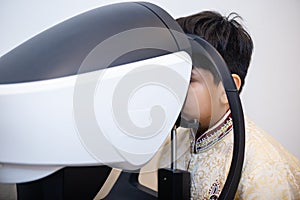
(269, 171)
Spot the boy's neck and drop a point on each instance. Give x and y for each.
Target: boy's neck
(203, 129)
(206, 138)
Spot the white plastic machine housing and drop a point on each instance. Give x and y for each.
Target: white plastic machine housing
(39, 127)
(92, 90)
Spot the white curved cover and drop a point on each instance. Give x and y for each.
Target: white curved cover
(119, 116)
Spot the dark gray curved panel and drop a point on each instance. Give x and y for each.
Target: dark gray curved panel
(60, 50)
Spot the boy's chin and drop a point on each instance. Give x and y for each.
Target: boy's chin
(189, 122)
(188, 116)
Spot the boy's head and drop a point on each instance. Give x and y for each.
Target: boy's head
(206, 99)
(226, 35)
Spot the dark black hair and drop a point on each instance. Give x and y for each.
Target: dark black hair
(226, 35)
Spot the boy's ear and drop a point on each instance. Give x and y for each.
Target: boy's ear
(237, 81)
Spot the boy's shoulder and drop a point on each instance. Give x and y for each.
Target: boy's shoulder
(259, 142)
(267, 164)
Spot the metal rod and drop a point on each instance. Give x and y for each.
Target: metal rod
(173, 148)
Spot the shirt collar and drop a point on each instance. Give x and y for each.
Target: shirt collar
(214, 134)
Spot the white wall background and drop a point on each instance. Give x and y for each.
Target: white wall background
(271, 96)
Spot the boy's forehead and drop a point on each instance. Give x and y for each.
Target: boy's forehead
(211, 71)
(200, 70)
(202, 73)
(205, 75)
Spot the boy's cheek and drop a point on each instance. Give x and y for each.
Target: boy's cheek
(191, 107)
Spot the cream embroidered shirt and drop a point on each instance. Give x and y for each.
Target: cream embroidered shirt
(269, 171)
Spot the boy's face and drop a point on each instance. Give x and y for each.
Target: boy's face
(204, 99)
